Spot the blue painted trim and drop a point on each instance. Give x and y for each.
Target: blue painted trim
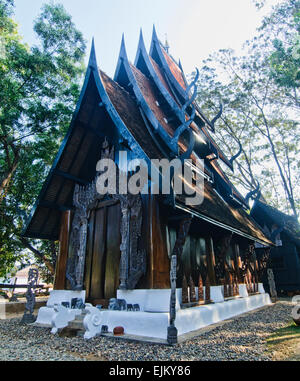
(123, 61)
(156, 45)
(92, 66)
(142, 52)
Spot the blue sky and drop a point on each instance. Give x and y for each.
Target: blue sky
(195, 28)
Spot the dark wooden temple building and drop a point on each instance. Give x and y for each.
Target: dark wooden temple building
(284, 231)
(126, 242)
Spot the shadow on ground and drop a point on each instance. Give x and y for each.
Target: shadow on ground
(284, 344)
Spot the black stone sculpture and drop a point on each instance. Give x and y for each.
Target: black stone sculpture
(117, 304)
(28, 316)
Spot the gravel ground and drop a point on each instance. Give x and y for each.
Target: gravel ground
(240, 338)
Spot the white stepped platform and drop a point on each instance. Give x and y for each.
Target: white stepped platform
(46, 314)
(154, 325)
(152, 320)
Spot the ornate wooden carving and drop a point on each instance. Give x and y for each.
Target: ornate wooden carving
(185, 291)
(235, 286)
(224, 282)
(230, 286)
(246, 260)
(192, 290)
(263, 264)
(200, 290)
(221, 266)
(133, 258)
(176, 254)
(84, 200)
(173, 278)
(207, 290)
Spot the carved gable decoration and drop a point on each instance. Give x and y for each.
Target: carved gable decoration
(133, 258)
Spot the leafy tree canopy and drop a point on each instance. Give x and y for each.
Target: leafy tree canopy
(39, 88)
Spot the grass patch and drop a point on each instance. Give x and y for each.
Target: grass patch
(284, 344)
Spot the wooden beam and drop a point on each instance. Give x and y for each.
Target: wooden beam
(53, 205)
(70, 177)
(61, 263)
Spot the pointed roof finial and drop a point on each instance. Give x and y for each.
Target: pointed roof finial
(141, 39)
(167, 46)
(141, 47)
(154, 34)
(123, 53)
(92, 60)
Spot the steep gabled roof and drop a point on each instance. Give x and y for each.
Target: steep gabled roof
(80, 151)
(170, 71)
(107, 109)
(267, 214)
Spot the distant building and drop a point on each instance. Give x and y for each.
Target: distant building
(21, 278)
(284, 231)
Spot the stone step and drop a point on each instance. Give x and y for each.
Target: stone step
(76, 325)
(79, 318)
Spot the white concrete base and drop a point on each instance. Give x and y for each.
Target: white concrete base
(261, 289)
(155, 325)
(150, 300)
(46, 314)
(243, 291)
(216, 294)
(159, 300)
(153, 319)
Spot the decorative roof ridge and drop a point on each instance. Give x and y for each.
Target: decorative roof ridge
(275, 210)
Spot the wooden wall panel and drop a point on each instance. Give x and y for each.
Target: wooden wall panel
(61, 263)
(113, 253)
(161, 262)
(149, 208)
(98, 265)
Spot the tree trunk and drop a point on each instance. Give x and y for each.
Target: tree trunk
(4, 186)
(41, 256)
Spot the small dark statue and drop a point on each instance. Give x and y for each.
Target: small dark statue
(28, 316)
(117, 305)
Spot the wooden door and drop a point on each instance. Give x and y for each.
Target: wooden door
(103, 253)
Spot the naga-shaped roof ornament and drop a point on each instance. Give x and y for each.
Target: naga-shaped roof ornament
(237, 155)
(252, 193)
(218, 116)
(186, 123)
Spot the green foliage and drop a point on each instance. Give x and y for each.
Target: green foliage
(285, 58)
(39, 88)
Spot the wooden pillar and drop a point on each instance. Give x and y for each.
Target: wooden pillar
(211, 262)
(160, 262)
(61, 262)
(237, 262)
